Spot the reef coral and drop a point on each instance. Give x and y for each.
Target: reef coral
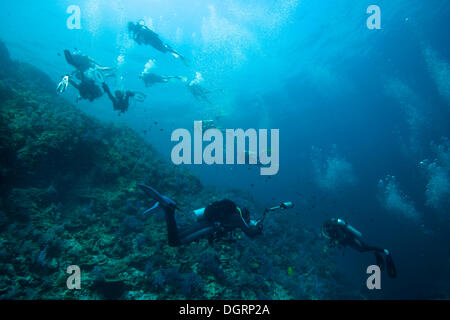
(69, 196)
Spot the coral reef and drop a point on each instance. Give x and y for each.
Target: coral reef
(69, 196)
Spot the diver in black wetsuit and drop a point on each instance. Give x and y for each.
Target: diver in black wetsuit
(144, 35)
(87, 87)
(120, 100)
(340, 233)
(151, 78)
(83, 63)
(217, 220)
(197, 90)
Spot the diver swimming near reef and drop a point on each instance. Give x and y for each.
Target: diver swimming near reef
(215, 221)
(87, 87)
(120, 99)
(340, 233)
(144, 35)
(151, 78)
(197, 90)
(83, 63)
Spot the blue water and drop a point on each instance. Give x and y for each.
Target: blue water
(353, 105)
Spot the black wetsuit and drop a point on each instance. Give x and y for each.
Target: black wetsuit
(151, 78)
(219, 218)
(199, 92)
(144, 35)
(352, 240)
(87, 88)
(80, 62)
(119, 103)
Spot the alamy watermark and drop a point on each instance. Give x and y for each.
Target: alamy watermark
(74, 280)
(74, 20)
(374, 280)
(374, 21)
(256, 152)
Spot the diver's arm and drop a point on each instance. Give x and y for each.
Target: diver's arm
(108, 92)
(74, 84)
(129, 94)
(253, 228)
(253, 231)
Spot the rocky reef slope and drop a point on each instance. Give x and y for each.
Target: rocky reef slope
(68, 196)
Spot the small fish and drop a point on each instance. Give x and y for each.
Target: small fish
(290, 271)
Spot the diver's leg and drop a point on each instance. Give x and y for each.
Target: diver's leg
(360, 245)
(173, 52)
(172, 228)
(198, 230)
(180, 236)
(206, 99)
(167, 78)
(169, 207)
(197, 234)
(390, 266)
(364, 247)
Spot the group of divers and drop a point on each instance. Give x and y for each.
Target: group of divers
(89, 76)
(219, 218)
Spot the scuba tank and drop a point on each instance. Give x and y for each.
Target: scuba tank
(349, 228)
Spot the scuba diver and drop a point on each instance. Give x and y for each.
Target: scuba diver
(121, 100)
(215, 221)
(83, 63)
(151, 78)
(199, 92)
(144, 35)
(87, 87)
(342, 234)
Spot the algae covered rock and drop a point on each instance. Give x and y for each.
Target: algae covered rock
(5, 60)
(69, 196)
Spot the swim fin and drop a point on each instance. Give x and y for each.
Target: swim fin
(380, 260)
(151, 209)
(163, 200)
(390, 267)
(62, 86)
